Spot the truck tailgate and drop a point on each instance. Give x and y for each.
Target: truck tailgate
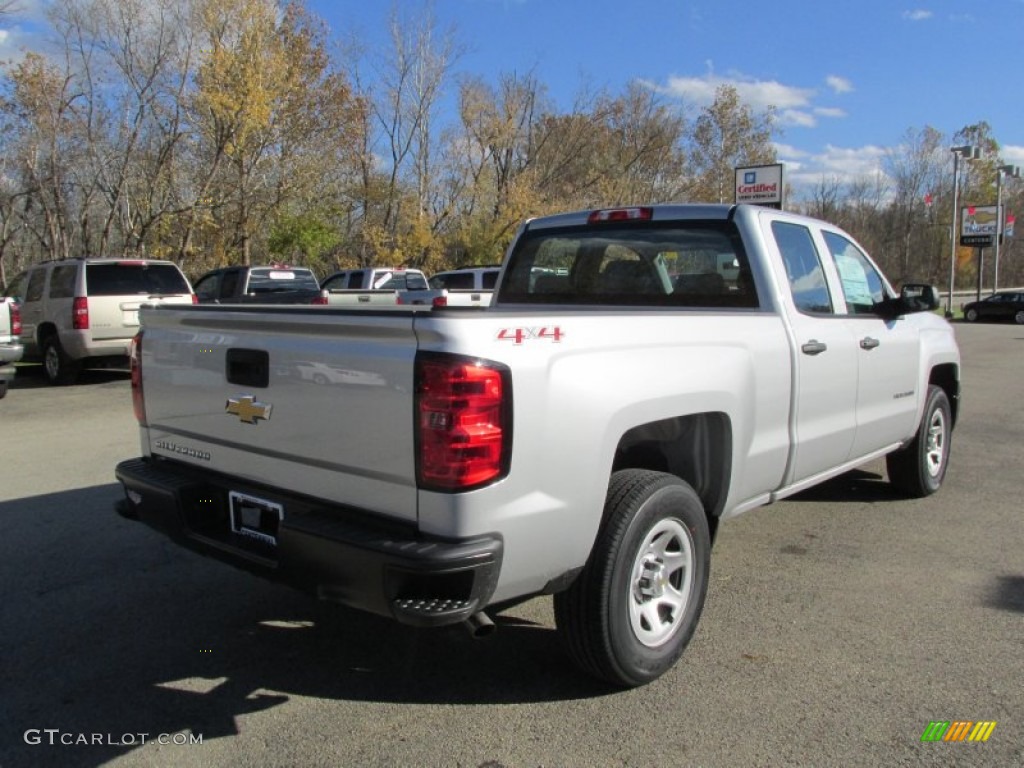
(313, 401)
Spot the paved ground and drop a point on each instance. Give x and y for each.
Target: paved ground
(838, 625)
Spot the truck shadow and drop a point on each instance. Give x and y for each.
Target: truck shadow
(32, 376)
(109, 629)
(857, 486)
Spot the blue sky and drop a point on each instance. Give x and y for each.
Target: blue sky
(847, 78)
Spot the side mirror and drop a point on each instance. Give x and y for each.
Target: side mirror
(914, 297)
(919, 297)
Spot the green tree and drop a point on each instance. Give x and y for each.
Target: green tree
(727, 134)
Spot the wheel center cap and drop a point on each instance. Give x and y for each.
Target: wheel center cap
(653, 579)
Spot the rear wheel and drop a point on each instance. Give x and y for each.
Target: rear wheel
(1019, 318)
(3, 389)
(60, 369)
(919, 468)
(631, 612)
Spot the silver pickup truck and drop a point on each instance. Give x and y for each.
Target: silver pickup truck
(10, 344)
(642, 375)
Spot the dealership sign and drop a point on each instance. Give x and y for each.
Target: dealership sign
(979, 225)
(760, 185)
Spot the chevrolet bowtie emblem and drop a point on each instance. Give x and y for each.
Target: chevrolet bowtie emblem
(247, 409)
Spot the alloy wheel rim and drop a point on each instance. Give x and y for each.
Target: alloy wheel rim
(661, 583)
(936, 445)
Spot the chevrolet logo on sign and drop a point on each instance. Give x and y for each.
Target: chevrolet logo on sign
(248, 409)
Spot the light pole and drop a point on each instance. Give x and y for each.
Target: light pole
(968, 152)
(1013, 171)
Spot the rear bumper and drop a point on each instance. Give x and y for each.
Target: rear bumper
(339, 554)
(10, 353)
(80, 345)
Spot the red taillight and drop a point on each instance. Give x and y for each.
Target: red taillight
(463, 422)
(195, 298)
(80, 314)
(15, 319)
(440, 301)
(321, 299)
(135, 359)
(620, 214)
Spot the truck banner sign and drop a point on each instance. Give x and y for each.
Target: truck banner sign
(979, 225)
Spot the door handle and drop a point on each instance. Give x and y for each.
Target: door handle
(814, 347)
(869, 343)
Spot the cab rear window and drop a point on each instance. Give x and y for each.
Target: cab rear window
(682, 264)
(134, 278)
(273, 279)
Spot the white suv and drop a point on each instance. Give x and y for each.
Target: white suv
(79, 311)
(467, 278)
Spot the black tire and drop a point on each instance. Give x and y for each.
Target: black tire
(1018, 317)
(971, 315)
(919, 468)
(3, 389)
(60, 369)
(630, 614)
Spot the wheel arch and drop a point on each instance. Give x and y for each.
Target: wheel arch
(697, 448)
(45, 331)
(947, 377)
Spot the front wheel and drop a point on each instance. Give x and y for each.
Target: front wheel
(971, 315)
(1019, 318)
(919, 468)
(630, 614)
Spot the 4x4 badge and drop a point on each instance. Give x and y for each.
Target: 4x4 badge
(248, 409)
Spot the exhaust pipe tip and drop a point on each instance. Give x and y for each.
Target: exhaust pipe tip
(479, 625)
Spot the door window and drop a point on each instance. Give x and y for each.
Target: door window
(206, 289)
(862, 285)
(34, 292)
(803, 268)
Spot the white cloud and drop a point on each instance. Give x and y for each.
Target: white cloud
(833, 112)
(758, 94)
(793, 105)
(839, 84)
(918, 14)
(840, 164)
(789, 151)
(23, 24)
(1012, 155)
(797, 117)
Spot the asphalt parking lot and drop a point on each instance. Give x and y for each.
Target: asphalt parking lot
(839, 624)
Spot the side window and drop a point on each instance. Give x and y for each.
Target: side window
(62, 281)
(206, 288)
(17, 288)
(228, 284)
(862, 285)
(34, 292)
(490, 279)
(803, 267)
(336, 283)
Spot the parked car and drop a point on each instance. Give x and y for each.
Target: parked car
(10, 346)
(468, 278)
(271, 284)
(1005, 305)
(86, 310)
(376, 279)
